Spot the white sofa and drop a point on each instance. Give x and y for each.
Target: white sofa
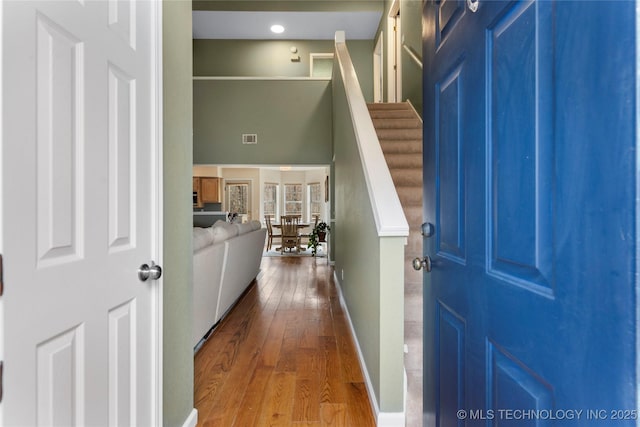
(226, 259)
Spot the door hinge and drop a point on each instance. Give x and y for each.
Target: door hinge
(1, 277)
(1, 379)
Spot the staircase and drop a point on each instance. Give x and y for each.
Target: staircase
(399, 130)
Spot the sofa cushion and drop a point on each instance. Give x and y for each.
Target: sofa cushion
(223, 230)
(216, 235)
(256, 225)
(232, 230)
(219, 232)
(244, 228)
(201, 238)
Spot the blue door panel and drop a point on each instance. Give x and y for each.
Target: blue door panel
(530, 172)
(511, 72)
(449, 14)
(449, 167)
(450, 360)
(519, 93)
(512, 386)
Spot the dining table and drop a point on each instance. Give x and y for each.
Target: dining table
(301, 225)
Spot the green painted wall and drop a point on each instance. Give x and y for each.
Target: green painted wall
(361, 52)
(355, 230)
(411, 27)
(272, 58)
(255, 57)
(291, 118)
(411, 32)
(177, 229)
(367, 266)
(391, 272)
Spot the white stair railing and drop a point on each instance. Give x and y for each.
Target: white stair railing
(385, 203)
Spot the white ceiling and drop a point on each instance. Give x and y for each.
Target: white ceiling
(360, 25)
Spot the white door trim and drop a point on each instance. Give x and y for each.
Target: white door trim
(317, 57)
(378, 69)
(2, 142)
(158, 218)
(394, 47)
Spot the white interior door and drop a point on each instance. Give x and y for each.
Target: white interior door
(80, 206)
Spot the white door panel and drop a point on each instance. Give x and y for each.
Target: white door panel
(79, 212)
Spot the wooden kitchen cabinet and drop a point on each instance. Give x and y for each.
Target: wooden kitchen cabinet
(206, 190)
(210, 190)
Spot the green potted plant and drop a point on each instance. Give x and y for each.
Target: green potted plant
(318, 234)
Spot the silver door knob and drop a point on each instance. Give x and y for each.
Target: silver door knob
(152, 272)
(425, 263)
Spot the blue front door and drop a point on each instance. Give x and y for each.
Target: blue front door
(531, 183)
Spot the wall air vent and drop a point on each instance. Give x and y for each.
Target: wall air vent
(249, 138)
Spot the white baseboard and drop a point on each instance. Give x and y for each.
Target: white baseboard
(192, 419)
(391, 419)
(383, 419)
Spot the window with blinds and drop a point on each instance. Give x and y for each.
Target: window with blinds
(314, 191)
(270, 197)
(293, 199)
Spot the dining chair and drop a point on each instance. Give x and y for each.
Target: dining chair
(270, 233)
(290, 236)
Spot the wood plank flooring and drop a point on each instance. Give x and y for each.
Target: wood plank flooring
(284, 356)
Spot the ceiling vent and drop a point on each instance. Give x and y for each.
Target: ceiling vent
(249, 138)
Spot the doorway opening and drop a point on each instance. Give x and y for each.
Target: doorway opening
(253, 191)
(238, 199)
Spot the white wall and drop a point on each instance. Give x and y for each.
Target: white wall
(206, 170)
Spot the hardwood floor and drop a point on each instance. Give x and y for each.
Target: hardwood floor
(283, 356)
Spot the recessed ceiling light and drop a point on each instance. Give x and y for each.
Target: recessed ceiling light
(277, 28)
